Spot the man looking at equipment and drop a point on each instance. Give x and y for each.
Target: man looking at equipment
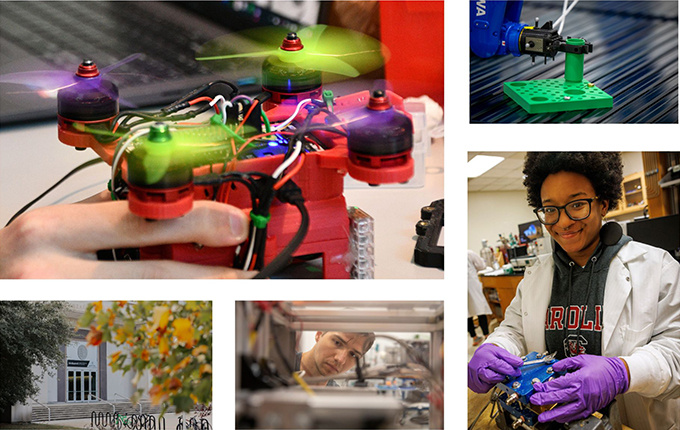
(607, 306)
(333, 353)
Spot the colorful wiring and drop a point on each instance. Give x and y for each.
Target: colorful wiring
(297, 132)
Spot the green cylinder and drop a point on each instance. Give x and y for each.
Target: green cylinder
(573, 65)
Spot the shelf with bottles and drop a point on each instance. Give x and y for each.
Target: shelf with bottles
(634, 195)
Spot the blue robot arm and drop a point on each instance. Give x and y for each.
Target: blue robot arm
(495, 29)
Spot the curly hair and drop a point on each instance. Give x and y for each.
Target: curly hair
(603, 170)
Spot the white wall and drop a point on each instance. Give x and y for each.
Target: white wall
(494, 213)
(117, 384)
(632, 162)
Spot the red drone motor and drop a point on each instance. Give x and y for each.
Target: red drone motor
(287, 82)
(89, 103)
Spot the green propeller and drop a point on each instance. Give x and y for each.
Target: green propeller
(323, 48)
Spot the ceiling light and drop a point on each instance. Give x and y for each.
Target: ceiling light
(481, 163)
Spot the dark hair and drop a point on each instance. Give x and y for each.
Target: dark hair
(603, 170)
(368, 343)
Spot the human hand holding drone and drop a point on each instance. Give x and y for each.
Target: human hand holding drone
(63, 241)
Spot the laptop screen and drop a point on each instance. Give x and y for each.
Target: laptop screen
(43, 41)
(241, 15)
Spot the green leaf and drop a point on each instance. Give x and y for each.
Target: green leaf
(183, 403)
(86, 319)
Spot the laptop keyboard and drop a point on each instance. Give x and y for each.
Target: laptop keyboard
(62, 34)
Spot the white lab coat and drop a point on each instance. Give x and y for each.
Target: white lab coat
(641, 324)
(477, 304)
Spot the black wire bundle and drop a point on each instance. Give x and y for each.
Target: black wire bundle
(261, 192)
(290, 193)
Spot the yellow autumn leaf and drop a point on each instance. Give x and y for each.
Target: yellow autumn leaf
(94, 337)
(97, 306)
(114, 356)
(174, 385)
(182, 364)
(201, 349)
(184, 331)
(121, 336)
(205, 368)
(158, 395)
(161, 316)
(163, 347)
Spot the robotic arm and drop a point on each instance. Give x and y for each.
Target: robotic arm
(495, 29)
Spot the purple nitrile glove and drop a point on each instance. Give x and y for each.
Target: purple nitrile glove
(490, 365)
(593, 385)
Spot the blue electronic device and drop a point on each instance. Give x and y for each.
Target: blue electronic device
(515, 392)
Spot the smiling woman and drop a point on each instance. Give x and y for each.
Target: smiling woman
(577, 232)
(603, 304)
(584, 186)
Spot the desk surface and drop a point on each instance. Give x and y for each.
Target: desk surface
(32, 159)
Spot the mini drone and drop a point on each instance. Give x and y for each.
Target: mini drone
(280, 156)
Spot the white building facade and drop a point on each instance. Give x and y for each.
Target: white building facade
(83, 377)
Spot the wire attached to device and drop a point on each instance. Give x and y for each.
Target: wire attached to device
(56, 184)
(565, 11)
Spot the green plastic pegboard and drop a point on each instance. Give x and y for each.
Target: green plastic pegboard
(557, 95)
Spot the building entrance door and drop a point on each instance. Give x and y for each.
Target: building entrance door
(81, 372)
(82, 385)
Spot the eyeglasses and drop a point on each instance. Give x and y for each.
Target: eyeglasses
(576, 210)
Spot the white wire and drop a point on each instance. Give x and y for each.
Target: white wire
(116, 160)
(279, 170)
(132, 136)
(288, 161)
(285, 123)
(562, 18)
(224, 103)
(251, 248)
